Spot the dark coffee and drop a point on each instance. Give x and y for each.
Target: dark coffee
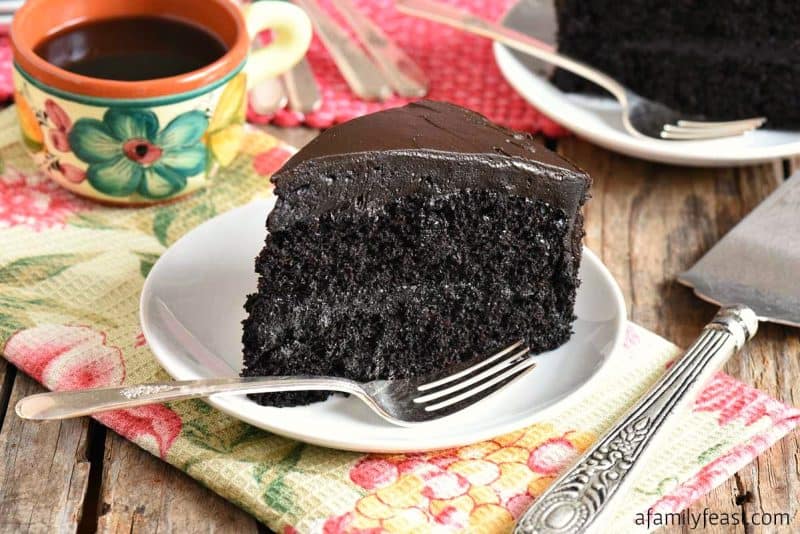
(131, 49)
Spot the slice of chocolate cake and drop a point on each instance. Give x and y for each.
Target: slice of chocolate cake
(723, 59)
(407, 240)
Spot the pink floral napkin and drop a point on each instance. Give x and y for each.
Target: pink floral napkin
(71, 272)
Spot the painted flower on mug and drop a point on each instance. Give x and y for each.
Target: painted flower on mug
(62, 125)
(67, 171)
(226, 131)
(128, 153)
(32, 134)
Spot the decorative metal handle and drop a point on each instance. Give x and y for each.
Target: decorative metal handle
(66, 404)
(573, 503)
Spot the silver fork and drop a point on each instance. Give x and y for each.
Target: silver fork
(640, 116)
(401, 402)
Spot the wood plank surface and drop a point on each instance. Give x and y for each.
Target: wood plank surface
(140, 493)
(650, 222)
(44, 470)
(7, 374)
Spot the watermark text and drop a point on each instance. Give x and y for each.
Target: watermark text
(708, 518)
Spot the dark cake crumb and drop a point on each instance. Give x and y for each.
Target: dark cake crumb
(406, 289)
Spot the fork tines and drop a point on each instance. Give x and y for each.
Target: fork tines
(695, 130)
(487, 376)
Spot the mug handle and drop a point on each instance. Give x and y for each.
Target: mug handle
(291, 37)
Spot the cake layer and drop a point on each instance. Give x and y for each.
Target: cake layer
(402, 290)
(423, 148)
(741, 21)
(708, 76)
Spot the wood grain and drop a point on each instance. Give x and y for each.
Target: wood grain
(7, 374)
(650, 222)
(44, 470)
(141, 493)
(793, 165)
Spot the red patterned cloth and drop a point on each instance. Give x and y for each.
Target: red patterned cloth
(461, 69)
(6, 83)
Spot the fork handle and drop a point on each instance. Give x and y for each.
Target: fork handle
(358, 70)
(573, 503)
(467, 22)
(400, 71)
(66, 404)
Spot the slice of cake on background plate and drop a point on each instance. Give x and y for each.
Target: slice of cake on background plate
(411, 239)
(724, 59)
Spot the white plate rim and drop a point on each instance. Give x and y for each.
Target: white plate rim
(228, 405)
(529, 85)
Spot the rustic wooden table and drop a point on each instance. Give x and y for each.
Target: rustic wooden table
(647, 222)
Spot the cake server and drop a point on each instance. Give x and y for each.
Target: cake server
(358, 70)
(640, 116)
(758, 264)
(401, 402)
(400, 71)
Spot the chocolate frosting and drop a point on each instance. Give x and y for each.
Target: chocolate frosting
(426, 147)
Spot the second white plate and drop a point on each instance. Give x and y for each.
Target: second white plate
(191, 313)
(598, 119)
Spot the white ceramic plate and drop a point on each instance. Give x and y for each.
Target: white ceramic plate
(191, 309)
(597, 119)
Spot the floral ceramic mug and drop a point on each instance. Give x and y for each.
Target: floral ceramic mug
(140, 142)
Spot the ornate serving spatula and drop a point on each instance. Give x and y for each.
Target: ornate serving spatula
(757, 265)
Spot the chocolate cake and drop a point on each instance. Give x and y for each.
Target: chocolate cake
(726, 60)
(410, 239)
